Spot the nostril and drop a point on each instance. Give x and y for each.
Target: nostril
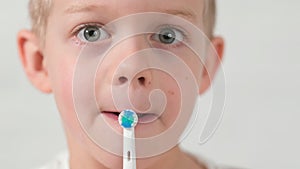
(123, 79)
(142, 80)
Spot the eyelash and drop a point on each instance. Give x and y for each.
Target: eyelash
(79, 28)
(83, 26)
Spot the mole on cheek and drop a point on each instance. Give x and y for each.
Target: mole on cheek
(171, 92)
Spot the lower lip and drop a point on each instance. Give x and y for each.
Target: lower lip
(149, 118)
(111, 116)
(112, 120)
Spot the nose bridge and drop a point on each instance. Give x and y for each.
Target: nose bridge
(131, 45)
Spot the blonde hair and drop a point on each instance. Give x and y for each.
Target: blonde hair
(40, 10)
(209, 17)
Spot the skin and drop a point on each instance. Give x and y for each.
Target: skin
(50, 65)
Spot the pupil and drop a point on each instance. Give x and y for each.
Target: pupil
(92, 34)
(167, 36)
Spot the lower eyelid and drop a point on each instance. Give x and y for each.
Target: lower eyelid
(77, 42)
(160, 45)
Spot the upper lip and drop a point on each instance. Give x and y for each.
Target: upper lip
(118, 112)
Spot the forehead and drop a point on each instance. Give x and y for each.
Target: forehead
(112, 9)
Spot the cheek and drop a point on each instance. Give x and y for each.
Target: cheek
(63, 93)
(194, 62)
(61, 76)
(61, 59)
(171, 90)
(177, 110)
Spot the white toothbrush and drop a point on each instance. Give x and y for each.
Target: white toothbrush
(128, 120)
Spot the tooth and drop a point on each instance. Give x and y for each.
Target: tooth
(140, 115)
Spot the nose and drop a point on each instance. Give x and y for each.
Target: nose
(141, 79)
(131, 63)
(132, 87)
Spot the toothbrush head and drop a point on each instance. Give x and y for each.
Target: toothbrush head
(128, 119)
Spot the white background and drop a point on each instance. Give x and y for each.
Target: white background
(261, 124)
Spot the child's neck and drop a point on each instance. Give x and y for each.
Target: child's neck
(173, 159)
(176, 159)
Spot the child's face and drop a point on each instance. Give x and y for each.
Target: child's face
(74, 22)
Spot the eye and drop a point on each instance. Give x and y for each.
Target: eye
(92, 34)
(169, 36)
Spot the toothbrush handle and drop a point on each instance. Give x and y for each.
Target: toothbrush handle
(129, 156)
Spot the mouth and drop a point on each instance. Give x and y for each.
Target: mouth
(143, 118)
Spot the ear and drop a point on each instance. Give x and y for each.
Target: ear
(33, 60)
(213, 61)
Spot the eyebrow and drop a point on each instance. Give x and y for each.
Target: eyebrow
(81, 7)
(86, 7)
(186, 13)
